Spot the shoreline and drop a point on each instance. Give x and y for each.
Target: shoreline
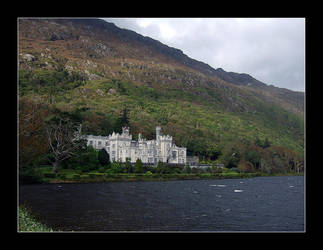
(102, 177)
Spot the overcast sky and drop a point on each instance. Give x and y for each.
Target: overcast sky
(271, 50)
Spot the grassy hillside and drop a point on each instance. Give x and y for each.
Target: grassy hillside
(96, 75)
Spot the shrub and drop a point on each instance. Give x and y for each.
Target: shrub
(116, 168)
(29, 175)
(148, 173)
(194, 170)
(76, 176)
(235, 170)
(205, 175)
(139, 166)
(61, 176)
(49, 175)
(101, 170)
(245, 167)
(28, 223)
(188, 169)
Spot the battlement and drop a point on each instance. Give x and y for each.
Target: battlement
(117, 136)
(121, 147)
(165, 138)
(97, 137)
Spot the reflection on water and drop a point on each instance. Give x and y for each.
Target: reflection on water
(255, 204)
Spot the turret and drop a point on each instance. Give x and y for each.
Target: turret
(158, 132)
(125, 130)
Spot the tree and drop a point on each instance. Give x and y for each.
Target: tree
(128, 166)
(266, 143)
(104, 157)
(32, 136)
(139, 167)
(254, 157)
(124, 118)
(64, 139)
(245, 166)
(122, 121)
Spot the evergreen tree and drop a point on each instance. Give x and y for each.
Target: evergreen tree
(104, 157)
(122, 121)
(139, 167)
(266, 143)
(125, 118)
(128, 166)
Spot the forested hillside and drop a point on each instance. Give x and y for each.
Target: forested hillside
(99, 73)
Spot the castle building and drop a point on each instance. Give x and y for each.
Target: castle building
(121, 147)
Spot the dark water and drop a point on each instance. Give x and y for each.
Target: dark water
(256, 204)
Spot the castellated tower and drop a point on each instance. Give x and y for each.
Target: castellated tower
(121, 147)
(158, 132)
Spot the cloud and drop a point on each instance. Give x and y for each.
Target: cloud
(270, 49)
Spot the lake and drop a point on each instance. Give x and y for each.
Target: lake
(222, 205)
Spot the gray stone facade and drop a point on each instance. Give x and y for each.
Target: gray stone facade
(121, 146)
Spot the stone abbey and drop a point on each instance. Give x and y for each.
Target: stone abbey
(121, 147)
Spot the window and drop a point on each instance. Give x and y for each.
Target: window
(99, 142)
(91, 142)
(107, 143)
(174, 154)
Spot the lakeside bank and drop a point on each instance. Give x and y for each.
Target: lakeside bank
(73, 176)
(28, 223)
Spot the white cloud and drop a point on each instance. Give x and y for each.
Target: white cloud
(270, 49)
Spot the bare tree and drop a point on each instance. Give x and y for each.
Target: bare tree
(64, 139)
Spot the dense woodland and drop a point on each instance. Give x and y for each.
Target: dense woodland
(139, 108)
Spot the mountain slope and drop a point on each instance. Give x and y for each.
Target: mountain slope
(95, 69)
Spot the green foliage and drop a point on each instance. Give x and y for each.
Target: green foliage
(139, 166)
(28, 223)
(49, 175)
(199, 118)
(116, 167)
(148, 173)
(188, 169)
(127, 166)
(103, 157)
(44, 80)
(76, 176)
(29, 174)
(253, 157)
(264, 144)
(85, 160)
(122, 121)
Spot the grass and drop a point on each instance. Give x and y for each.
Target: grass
(76, 176)
(28, 223)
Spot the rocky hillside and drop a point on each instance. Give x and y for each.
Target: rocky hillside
(95, 69)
